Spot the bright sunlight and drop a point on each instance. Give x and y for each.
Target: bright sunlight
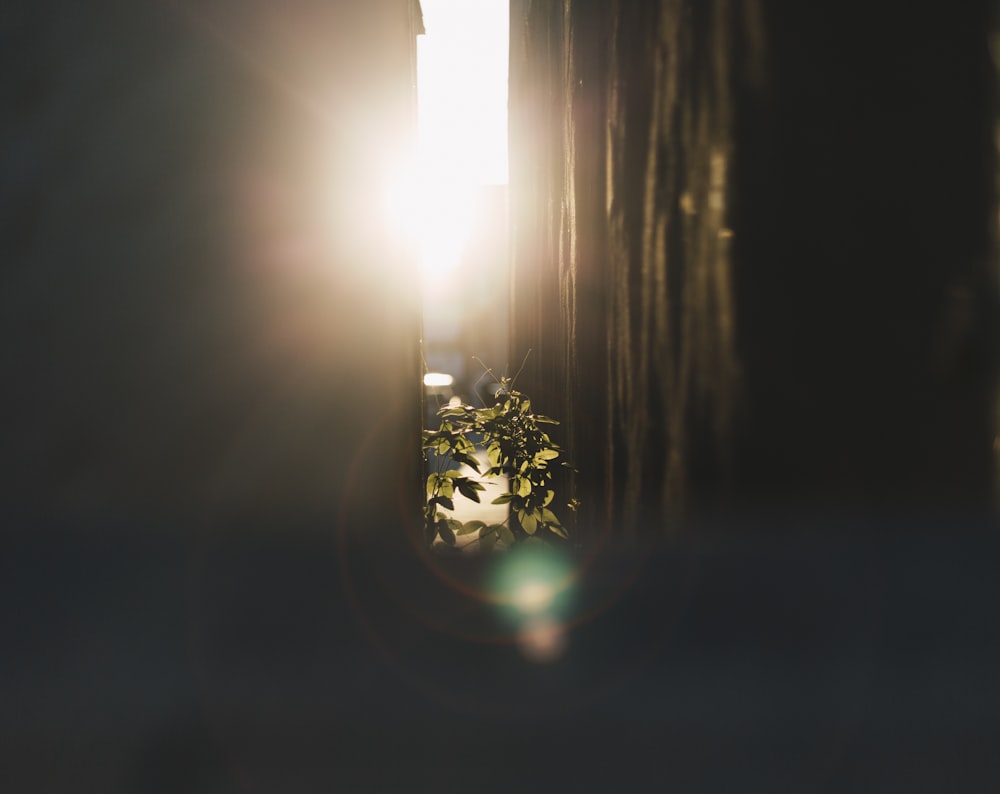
(462, 142)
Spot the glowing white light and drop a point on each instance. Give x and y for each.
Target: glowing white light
(462, 88)
(530, 582)
(435, 213)
(533, 596)
(462, 132)
(438, 379)
(534, 592)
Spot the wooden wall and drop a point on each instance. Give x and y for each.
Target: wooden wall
(753, 252)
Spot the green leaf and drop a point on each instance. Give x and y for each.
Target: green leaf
(517, 447)
(468, 460)
(487, 542)
(444, 501)
(528, 522)
(471, 526)
(559, 530)
(493, 452)
(467, 489)
(489, 530)
(445, 532)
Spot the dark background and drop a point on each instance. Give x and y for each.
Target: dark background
(210, 385)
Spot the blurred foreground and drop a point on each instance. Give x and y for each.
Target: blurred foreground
(286, 662)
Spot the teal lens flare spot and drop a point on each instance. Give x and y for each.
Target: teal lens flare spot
(529, 582)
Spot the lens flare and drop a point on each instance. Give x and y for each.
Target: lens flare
(532, 587)
(462, 133)
(533, 596)
(542, 640)
(434, 214)
(531, 580)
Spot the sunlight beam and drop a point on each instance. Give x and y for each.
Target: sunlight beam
(462, 132)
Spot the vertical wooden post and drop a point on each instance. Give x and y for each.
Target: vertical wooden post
(769, 277)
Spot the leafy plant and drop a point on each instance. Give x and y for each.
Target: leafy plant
(517, 447)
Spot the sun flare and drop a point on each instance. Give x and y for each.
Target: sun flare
(434, 213)
(462, 131)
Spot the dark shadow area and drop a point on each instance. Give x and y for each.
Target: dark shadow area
(210, 474)
(258, 662)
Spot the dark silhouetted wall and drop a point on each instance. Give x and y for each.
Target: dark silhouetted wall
(204, 314)
(753, 252)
